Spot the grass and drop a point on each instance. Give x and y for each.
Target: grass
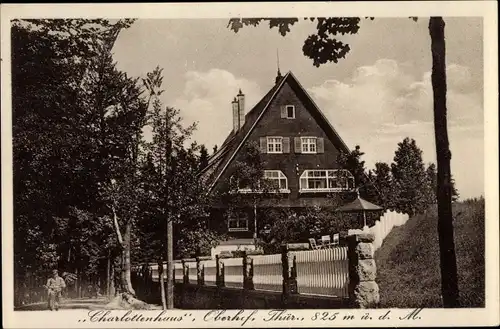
(408, 260)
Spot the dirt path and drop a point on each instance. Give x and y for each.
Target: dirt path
(68, 304)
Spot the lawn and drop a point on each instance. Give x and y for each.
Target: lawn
(408, 260)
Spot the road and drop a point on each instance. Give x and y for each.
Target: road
(68, 304)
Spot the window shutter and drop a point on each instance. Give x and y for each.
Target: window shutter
(286, 144)
(283, 111)
(263, 145)
(320, 145)
(298, 145)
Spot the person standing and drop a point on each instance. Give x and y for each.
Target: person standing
(55, 285)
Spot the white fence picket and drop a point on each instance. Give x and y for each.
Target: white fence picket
(384, 226)
(210, 271)
(267, 272)
(323, 272)
(233, 272)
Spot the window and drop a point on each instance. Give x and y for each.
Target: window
(290, 112)
(326, 180)
(274, 144)
(237, 223)
(277, 180)
(308, 144)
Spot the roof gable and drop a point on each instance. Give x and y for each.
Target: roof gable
(220, 161)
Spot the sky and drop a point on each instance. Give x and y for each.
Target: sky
(375, 97)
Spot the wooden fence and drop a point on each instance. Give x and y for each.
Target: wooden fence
(312, 272)
(383, 226)
(323, 272)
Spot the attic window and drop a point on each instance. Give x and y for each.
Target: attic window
(290, 112)
(287, 112)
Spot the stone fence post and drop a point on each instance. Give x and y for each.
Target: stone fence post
(363, 290)
(247, 272)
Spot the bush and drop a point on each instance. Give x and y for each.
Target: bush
(197, 242)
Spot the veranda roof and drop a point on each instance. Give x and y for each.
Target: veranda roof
(359, 204)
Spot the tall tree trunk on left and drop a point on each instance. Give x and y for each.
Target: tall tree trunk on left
(126, 267)
(449, 278)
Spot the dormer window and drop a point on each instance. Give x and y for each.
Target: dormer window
(288, 112)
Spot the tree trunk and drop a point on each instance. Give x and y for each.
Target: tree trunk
(255, 219)
(77, 284)
(126, 268)
(170, 265)
(162, 283)
(108, 276)
(449, 280)
(112, 289)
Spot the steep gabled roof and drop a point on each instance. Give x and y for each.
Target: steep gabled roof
(219, 162)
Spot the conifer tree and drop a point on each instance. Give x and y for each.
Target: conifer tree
(410, 178)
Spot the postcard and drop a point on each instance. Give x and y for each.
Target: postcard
(319, 164)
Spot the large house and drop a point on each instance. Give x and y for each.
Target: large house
(300, 149)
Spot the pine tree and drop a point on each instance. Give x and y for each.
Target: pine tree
(432, 177)
(203, 157)
(385, 185)
(362, 180)
(410, 178)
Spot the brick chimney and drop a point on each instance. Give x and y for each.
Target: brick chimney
(241, 105)
(236, 115)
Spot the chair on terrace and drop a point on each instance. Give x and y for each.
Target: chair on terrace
(313, 244)
(336, 239)
(325, 241)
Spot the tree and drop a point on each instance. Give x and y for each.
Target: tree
(203, 157)
(449, 277)
(432, 176)
(385, 185)
(455, 195)
(178, 196)
(50, 149)
(431, 172)
(117, 114)
(246, 188)
(362, 181)
(324, 46)
(410, 178)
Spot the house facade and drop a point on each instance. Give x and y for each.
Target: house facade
(299, 149)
